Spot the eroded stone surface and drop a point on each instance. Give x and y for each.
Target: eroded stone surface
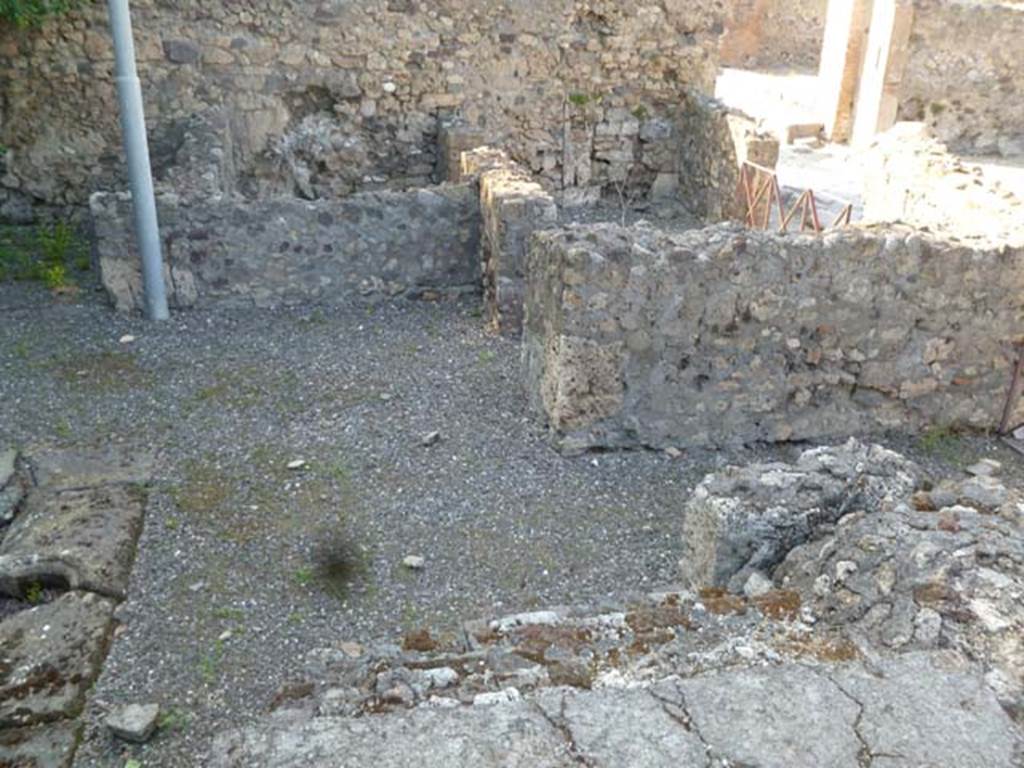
(745, 520)
(617, 727)
(50, 656)
(930, 709)
(45, 746)
(82, 538)
(921, 578)
(789, 717)
(782, 716)
(516, 735)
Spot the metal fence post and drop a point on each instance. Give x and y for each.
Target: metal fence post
(140, 175)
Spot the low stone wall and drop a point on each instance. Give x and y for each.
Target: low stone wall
(912, 178)
(282, 251)
(726, 336)
(513, 207)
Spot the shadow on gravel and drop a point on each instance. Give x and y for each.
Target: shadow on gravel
(338, 565)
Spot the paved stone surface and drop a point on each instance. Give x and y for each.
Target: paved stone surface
(774, 717)
(75, 468)
(787, 716)
(516, 735)
(50, 656)
(615, 727)
(930, 709)
(45, 746)
(84, 539)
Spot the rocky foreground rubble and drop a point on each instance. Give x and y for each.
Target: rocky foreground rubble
(840, 611)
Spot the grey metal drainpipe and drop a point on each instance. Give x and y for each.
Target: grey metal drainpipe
(140, 174)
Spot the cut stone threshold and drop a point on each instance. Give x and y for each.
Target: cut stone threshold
(65, 562)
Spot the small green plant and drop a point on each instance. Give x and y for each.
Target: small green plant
(34, 593)
(487, 356)
(304, 576)
(31, 13)
(943, 442)
(579, 99)
(48, 254)
(174, 719)
(640, 113)
(209, 664)
(132, 763)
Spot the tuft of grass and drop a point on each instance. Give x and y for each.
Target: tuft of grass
(303, 576)
(209, 664)
(174, 719)
(34, 593)
(338, 564)
(52, 254)
(944, 443)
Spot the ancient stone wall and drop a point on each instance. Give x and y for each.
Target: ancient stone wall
(512, 207)
(774, 34)
(709, 159)
(965, 74)
(723, 336)
(327, 98)
(910, 177)
(281, 251)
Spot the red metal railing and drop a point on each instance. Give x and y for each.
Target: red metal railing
(759, 193)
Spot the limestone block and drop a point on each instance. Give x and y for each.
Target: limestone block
(454, 138)
(83, 538)
(52, 654)
(746, 520)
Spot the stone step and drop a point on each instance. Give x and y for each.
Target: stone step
(913, 710)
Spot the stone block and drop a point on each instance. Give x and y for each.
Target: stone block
(454, 138)
(83, 538)
(52, 654)
(743, 521)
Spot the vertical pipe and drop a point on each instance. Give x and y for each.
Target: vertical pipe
(140, 175)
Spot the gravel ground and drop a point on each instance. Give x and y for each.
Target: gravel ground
(245, 565)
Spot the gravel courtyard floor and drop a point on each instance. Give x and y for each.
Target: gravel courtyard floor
(245, 564)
